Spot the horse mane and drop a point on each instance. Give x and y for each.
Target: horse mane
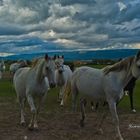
(34, 62)
(38, 64)
(124, 64)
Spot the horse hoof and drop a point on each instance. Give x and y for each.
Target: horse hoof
(36, 129)
(119, 138)
(61, 105)
(82, 123)
(30, 127)
(99, 131)
(134, 111)
(23, 124)
(93, 109)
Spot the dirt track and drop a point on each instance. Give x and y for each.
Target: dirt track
(62, 125)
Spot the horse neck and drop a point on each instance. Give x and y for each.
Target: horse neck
(125, 77)
(61, 77)
(38, 70)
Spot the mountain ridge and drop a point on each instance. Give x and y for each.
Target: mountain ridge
(78, 55)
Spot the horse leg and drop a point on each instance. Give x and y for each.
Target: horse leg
(83, 103)
(41, 101)
(66, 92)
(113, 110)
(131, 101)
(22, 102)
(96, 106)
(60, 94)
(74, 94)
(92, 105)
(62, 100)
(33, 110)
(101, 120)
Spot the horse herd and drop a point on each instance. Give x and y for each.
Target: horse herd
(102, 85)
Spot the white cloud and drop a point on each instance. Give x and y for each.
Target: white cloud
(64, 24)
(73, 23)
(61, 11)
(122, 6)
(69, 43)
(136, 46)
(51, 33)
(6, 54)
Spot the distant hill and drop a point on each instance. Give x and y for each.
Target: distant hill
(80, 55)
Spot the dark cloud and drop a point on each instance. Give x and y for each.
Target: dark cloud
(11, 30)
(71, 2)
(80, 23)
(130, 13)
(1, 2)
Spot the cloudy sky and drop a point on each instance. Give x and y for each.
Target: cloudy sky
(34, 25)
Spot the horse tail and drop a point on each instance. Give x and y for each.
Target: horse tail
(72, 67)
(67, 92)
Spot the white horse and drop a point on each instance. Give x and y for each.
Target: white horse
(30, 82)
(15, 66)
(63, 75)
(2, 68)
(105, 84)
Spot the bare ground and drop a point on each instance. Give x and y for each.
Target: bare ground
(63, 125)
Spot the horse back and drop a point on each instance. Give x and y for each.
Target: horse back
(88, 81)
(21, 71)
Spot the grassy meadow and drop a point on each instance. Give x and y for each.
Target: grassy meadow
(7, 92)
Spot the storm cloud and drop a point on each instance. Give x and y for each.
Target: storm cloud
(91, 24)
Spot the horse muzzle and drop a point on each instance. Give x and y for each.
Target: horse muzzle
(60, 71)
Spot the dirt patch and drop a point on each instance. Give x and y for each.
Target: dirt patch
(64, 125)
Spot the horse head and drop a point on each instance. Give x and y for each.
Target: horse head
(49, 69)
(59, 62)
(22, 63)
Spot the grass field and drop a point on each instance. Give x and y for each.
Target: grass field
(7, 90)
(60, 123)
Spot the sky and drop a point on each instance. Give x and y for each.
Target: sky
(30, 26)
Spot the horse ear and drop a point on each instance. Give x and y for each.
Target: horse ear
(63, 56)
(138, 54)
(46, 56)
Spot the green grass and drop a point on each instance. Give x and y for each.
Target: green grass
(7, 91)
(6, 88)
(125, 103)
